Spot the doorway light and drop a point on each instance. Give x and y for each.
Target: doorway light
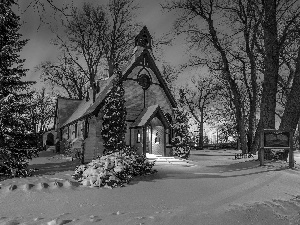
(138, 140)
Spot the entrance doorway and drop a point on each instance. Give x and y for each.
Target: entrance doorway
(50, 139)
(149, 139)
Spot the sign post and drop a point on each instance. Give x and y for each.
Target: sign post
(277, 139)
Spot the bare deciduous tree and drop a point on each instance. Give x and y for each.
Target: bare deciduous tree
(256, 43)
(216, 43)
(120, 33)
(41, 110)
(97, 38)
(64, 75)
(85, 40)
(197, 97)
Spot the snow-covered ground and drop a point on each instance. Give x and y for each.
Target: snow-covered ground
(213, 189)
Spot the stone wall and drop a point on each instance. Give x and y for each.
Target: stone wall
(134, 94)
(90, 141)
(99, 148)
(138, 145)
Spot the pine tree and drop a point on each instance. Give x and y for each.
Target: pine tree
(15, 135)
(181, 138)
(114, 126)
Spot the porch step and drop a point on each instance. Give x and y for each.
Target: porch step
(160, 160)
(150, 156)
(51, 148)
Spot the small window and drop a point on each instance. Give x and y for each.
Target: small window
(68, 132)
(75, 130)
(81, 132)
(138, 139)
(157, 139)
(87, 127)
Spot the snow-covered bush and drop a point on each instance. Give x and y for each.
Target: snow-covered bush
(114, 169)
(68, 151)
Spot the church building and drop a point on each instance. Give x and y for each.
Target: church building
(149, 105)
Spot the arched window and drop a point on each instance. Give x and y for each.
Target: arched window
(76, 130)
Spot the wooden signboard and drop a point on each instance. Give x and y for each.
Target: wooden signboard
(277, 139)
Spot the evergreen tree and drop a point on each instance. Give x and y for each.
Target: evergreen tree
(114, 126)
(181, 138)
(15, 135)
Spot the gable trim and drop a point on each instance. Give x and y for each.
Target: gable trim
(156, 71)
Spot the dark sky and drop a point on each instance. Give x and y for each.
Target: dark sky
(39, 47)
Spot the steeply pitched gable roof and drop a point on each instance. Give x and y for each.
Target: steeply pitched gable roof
(147, 55)
(139, 57)
(65, 106)
(148, 114)
(87, 107)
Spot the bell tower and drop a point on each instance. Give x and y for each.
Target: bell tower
(144, 39)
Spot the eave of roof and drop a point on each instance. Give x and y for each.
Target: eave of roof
(156, 71)
(148, 114)
(86, 108)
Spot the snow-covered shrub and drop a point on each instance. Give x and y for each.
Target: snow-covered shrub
(114, 169)
(68, 151)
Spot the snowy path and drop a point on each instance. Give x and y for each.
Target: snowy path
(213, 192)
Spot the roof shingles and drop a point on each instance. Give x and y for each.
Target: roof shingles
(87, 107)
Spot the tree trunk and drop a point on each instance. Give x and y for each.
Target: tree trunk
(237, 100)
(291, 113)
(243, 136)
(240, 119)
(298, 134)
(111, 67)
(256, 141)
(251, 125)
(271, 64)
(201, 131)
(253, 102)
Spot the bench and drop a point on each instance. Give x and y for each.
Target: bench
(243, 155)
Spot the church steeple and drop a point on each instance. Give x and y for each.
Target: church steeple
(144, 39)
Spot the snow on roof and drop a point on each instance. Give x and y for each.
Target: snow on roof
(104, 89)
(145, 116)
(87, 107)
(137, 51)
(82, 107)
(132, 113)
